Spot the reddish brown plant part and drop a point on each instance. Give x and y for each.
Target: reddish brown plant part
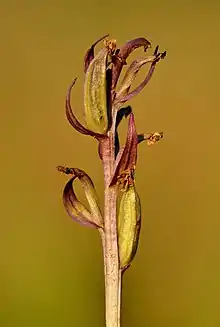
(104, 98)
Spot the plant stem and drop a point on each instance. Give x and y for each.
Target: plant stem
(110, 244)
(111, 262)
(119, 297)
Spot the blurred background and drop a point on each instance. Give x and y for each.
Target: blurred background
(51, 270)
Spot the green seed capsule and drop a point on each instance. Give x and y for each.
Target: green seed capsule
(129, 222)
(95, 93)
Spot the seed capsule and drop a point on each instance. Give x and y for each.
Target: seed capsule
(95, 93)
(129, 223)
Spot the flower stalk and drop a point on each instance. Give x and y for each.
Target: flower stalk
(119, 225)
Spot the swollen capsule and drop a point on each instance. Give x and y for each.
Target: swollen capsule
(129, 222)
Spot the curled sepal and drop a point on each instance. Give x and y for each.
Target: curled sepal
(123, 53)
(72, 118)
(150, 138)
(139, 88)
(74, 207)
(129, 224)
(89, 56)
(127, 156)
(96, 93)
(131, 74)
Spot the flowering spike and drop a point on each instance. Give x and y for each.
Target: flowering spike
(89, 56)
(120, 227)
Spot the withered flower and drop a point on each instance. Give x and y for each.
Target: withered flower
(104, 99)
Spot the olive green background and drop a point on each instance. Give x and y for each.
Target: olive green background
(51, 271)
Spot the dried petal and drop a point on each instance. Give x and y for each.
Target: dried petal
(91, 195)
(95, 94)
(139, 88)
(89, 56)
(151, 138)
(131, 74)
(72, 118)
(129, 223)
(74, 207)
(122, 55)
(127, 156)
